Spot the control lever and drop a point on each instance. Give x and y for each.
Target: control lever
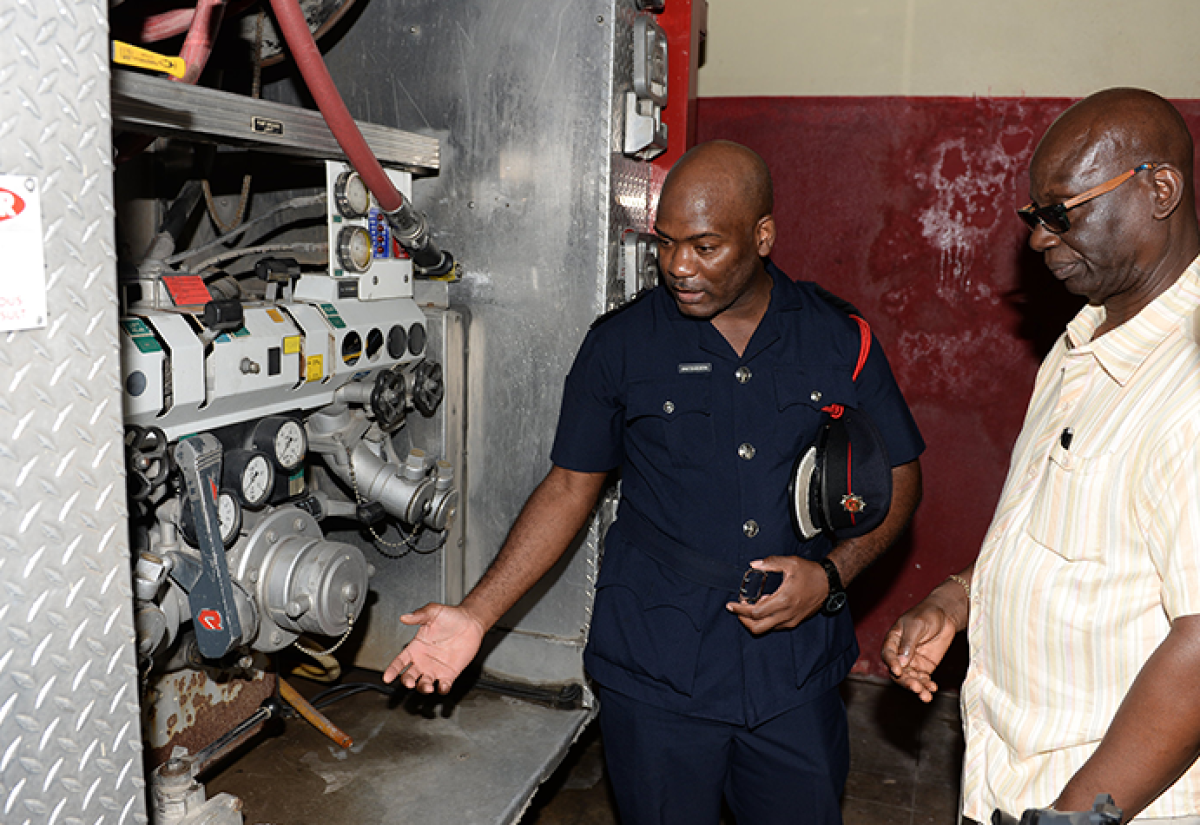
(214, 612)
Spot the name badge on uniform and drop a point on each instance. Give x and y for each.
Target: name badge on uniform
(687, 369)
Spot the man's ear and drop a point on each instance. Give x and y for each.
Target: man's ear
(764, 235)
(1168, 190)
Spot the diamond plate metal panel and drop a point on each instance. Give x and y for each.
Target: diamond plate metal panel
(70, 743)
(634, 184)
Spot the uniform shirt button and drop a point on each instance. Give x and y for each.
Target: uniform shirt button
(669, 407)
(815, 397)
(750, 528)
(743, 375)
(746, 451)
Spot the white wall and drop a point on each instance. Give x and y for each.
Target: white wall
(1038, 48)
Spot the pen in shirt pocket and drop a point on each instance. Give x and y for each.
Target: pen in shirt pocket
(1065, 439)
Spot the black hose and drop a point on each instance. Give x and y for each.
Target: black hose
(180, 210)
(338, 692)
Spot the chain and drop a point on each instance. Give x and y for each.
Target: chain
(317, 654)
(255, 92)
(256, 86)
(405, 546)
(233, 224)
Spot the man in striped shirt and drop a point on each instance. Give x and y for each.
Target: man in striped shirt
(1081, 607)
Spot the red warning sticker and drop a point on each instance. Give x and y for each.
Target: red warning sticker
(187, 290)
(210, 619)
(11, 204)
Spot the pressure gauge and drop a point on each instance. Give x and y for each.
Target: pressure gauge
(350, 193)
(249, 474)
(229, 517)
(354, 249)
(283, 439)
(290, 444)
(229, 520)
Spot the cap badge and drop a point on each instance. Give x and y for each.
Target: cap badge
(853, 503)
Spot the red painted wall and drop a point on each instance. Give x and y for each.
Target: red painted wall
(904, 206)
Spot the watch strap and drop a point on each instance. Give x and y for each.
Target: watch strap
(836, 600)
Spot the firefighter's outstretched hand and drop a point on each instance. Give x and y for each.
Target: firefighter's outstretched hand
(447, 641)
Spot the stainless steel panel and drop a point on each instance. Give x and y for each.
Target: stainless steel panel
(525, 97)
(71, 747)
(406, 577)
(160, 106)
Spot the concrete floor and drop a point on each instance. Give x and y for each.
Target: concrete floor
(905, 759)
(464, 759)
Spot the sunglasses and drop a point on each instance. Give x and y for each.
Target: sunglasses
(1054, 216)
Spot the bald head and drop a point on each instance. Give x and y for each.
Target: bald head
(1122, 159)
(1115, 130)
(726, 170)
(715, 229)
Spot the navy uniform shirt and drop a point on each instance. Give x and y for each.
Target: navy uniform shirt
(705, 442)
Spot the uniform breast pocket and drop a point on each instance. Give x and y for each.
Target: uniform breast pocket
(802, 395)
(672, 420)
(1073, 505)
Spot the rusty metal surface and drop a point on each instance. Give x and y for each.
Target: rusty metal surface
(189, 709)
(70, 744)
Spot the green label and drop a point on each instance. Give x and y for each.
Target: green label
(334, 317)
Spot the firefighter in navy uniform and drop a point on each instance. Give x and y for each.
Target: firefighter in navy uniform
(702, 394)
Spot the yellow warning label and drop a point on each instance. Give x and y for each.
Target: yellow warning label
(127, 55)
(291, 345)
(316, 368)
(275, 315)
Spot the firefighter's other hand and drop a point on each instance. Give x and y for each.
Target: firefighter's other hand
(447, 641)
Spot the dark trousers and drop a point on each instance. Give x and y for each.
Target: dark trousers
(668, 769)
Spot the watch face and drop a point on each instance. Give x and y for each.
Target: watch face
(835, 602)
(256, 480)
(290, 444)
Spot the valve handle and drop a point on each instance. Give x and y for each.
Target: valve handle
(428, 387)
(389, 400)
(147, 461)
(214, 612)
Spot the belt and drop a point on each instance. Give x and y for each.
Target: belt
(696, 567)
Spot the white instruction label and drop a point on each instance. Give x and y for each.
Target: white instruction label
(22, 259)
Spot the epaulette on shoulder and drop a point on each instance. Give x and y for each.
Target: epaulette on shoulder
(835, 301)
(615, 311)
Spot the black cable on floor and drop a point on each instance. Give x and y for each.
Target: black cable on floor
(338, 692)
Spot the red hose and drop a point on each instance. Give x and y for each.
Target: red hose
(198, 44)
(158, 27)
(168, 24)
(197, 47)
(294, 28)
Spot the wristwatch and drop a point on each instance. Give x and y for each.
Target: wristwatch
(836, 599)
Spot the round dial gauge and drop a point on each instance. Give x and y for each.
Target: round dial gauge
(354, 249)
(289, 444)
(350, 193)
(229, 517)
(256, 480)
(229, 520)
